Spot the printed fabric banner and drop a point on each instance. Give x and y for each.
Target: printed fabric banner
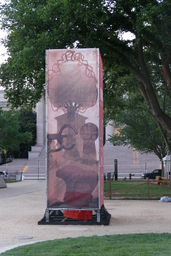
(74, 128)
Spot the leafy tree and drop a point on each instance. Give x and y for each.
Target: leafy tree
(47, 24)
(27, 125)
(10, 136)
(122, 97)
(138, 127)
(139, 130)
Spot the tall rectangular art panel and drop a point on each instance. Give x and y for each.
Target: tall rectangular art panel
(74, 109)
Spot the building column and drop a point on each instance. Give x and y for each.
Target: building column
(40, 109)
(109, 130)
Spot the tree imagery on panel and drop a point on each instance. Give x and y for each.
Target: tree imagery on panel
(72, 128)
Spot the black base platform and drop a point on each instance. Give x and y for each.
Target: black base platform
(55, 217)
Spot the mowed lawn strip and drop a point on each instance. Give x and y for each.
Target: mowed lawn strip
(139, 188)
(114, 245)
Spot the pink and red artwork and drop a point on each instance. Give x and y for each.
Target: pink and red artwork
(74, 129)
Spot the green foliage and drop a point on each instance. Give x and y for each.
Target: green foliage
(13, 133)
(118, 86)
(139, 130)
(27, 123)
(9, 130)
(118, 245)
(5, 156)
(35, 26)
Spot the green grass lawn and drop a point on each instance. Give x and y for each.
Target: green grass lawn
(115, 245)
(137, 189)
(11, 181)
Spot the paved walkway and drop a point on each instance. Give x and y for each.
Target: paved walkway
(23, 204)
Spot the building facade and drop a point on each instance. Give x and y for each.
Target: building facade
(128, 159)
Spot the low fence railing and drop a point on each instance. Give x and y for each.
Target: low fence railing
(136, 189)
(122, 176)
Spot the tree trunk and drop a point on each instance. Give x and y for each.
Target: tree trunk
(148, 91)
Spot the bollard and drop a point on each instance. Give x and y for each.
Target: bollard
(130, 175)
(21, 176)
(148, 185)
(109, 175)
(116, 169)
(110, 189)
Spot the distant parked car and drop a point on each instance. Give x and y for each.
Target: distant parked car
(152, 175)
(4, 174)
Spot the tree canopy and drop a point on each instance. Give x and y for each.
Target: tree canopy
(10, 135)
(27, 125)
(137, 126)
(138, 129)
(34, 26)
(17, 132)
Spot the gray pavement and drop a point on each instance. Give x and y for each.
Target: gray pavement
(18, 204)
(23, 204)
(21, 188)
